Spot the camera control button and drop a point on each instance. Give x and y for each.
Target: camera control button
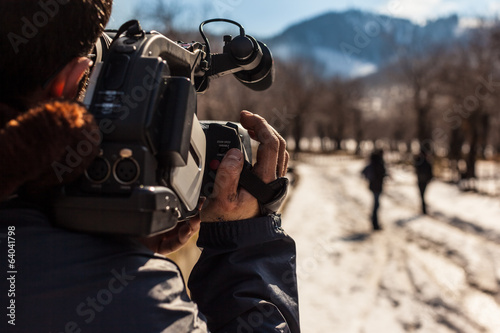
(214, 164)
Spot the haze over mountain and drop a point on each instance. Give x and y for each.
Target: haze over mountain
(356, 43)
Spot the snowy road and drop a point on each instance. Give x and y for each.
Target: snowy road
(435, 273)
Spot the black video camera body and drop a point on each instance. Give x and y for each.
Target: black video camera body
(153, 164)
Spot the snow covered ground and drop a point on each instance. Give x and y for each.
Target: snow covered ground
(422, 273)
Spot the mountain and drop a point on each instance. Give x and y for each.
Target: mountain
(356, 43)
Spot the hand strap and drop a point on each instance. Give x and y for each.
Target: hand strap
(270, 196)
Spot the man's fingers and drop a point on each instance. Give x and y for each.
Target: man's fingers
(185, 233)
(284, 167)
(272, 157)
(179, 236)
(228, 175)
(282, 156)
(227, 202)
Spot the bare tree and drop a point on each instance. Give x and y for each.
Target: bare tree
(420, 68)
(337, 111)
(296, 87)
(466, 76)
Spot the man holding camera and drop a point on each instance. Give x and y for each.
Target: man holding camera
(62, 281)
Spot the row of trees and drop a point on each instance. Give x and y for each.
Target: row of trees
(446, 99)
(455, 96)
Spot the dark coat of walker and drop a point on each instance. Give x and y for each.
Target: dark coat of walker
(423, 168)
(375, 172)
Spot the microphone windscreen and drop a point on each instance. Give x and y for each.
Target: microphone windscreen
(261, 77)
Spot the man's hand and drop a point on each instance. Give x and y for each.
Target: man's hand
(230, 203)
(174, 239)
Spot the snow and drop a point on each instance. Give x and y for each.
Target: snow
(333, 62)
(343, 64)
(422, 273)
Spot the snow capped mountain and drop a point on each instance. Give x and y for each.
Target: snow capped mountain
(356, 43)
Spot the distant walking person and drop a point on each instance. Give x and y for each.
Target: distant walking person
(423, 169)
(375, 173)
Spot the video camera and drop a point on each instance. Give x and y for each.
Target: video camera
(156, 159)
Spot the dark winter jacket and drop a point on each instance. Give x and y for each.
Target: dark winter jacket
(375, 173)
(65, 281)
(423, 169)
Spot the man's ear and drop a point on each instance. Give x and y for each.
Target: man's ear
(67, 81)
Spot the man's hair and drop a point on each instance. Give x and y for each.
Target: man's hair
(39, 37)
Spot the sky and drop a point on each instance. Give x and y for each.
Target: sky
(266, 18)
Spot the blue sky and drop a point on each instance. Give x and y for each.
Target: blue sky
(267, 17)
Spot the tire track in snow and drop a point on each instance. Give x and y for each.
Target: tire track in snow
(399, 280)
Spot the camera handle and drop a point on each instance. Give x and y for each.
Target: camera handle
(270, 196)
(132, 28)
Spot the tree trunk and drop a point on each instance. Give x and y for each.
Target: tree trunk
(298, 130)
(358, 131)
(484, 132)
(474, 144)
